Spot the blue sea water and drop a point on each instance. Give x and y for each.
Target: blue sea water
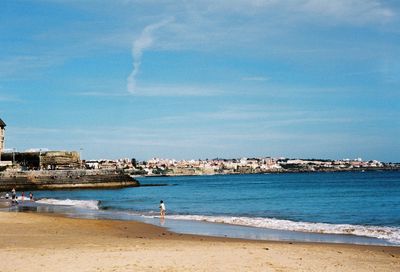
(297, 206)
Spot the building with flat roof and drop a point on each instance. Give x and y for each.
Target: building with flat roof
(49, 160)
(2, 134)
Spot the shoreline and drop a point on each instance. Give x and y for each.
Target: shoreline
(201, 227)
(51, 242)
(205, 227)
(298, 171)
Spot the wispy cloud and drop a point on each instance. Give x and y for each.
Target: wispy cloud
(198, 25)
(333, 11)
(223, 52)
(349, 11)
(255, 78)
(143, 42)
(160, 91)
(102, 94)
(193, 142)
(180, 90)
(4, 97)
(254, 116)
(24, 66)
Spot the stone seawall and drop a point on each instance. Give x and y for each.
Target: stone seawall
(64, 179)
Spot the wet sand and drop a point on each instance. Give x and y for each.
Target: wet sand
(40, 242)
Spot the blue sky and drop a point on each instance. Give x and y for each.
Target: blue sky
(202, 79)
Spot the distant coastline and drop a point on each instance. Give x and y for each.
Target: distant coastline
(160, 167)
(66, 170)
(274, 172)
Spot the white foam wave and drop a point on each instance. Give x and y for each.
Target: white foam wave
(87, 204)
(391, 234)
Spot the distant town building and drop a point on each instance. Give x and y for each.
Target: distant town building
(2, 135)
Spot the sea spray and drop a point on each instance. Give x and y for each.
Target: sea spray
(391, 234)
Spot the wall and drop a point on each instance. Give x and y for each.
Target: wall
(46, 159)
(2, 140)
(64, 179)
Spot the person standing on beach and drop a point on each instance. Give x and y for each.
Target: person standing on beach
(162, 209)
(13, 196)
(22, 196)
(31, 196)
(14, 199)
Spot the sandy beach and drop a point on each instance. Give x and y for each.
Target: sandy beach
(39, 242)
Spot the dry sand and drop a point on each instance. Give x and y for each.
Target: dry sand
(38, 242)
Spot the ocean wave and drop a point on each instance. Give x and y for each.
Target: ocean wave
(391, 234)
(87, 204)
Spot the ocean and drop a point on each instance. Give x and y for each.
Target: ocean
(341, 207)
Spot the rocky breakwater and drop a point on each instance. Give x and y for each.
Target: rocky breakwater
(64, 179)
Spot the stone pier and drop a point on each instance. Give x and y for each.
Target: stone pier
(64, 179)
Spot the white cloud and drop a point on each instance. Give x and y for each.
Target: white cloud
(273, 117)
(161, 90)
(207, 24)
(143, 42)
(331, 11)
(348, 11)
(24, 66)
(102, 94)
(198, 25)
(4, 97)
(180, 90)
(255, 78)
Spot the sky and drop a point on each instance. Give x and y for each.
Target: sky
(202, 79)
